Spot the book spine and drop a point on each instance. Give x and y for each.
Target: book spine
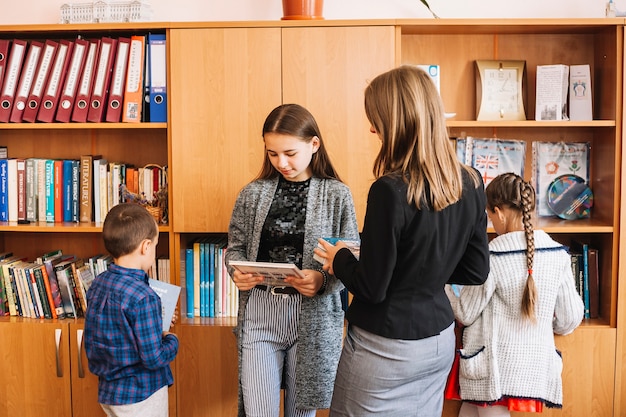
(42, 296)
(4, 191)
(86, 197)
(8, 288)
(49, 190)
(75, 197)
(49, 296)
(586, 279)
(189, 281)
(55, 289)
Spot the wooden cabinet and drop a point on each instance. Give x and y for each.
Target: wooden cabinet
(223, 80)
(589, 352)
(43, 370)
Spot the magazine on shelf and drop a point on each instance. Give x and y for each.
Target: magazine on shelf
(492, 157)
(274, 273)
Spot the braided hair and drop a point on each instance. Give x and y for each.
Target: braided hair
(511, 191)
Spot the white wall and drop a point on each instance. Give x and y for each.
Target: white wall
(47, 11)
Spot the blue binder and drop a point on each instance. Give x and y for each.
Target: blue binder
(158, 77)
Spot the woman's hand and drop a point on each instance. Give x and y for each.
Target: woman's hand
(246, 282)
(309, 285)
(328, 253)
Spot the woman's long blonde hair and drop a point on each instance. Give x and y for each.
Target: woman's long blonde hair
(406, 111)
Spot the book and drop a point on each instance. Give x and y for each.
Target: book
(86, 188)
(50, 263)
(189, 281)
(273, 273)
(553, 159)
(4, 190)
(31, 189)
(62, 271)
(492, 157)
(169, 294)
(594, 282)
(48, 288)
(580, 94)
(85, 277)
(552, 88)
(353, 244)
(582, 248)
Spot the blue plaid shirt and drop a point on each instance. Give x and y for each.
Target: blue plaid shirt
(123, 337)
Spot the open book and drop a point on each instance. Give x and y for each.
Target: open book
(273, 273)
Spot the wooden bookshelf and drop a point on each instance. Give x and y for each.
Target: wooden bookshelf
(225, 77)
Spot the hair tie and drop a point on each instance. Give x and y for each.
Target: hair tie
(530, 272)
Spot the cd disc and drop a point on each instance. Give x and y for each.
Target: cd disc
(569, 197)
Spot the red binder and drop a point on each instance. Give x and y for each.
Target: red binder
(4, 55)
(41, 79)
(81, 103)
(68, 93)
(12, 74)
(118, 82)
(26, 81)
(106, 56)
(50, 100)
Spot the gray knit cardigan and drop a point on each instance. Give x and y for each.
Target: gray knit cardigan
(330, 212)
(503, 353)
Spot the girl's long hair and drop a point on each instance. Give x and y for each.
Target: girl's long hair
(511, 191)
(295, 120)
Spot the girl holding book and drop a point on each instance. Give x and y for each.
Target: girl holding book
(291, 336)
(508, 360)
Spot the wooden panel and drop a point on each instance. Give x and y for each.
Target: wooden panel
(206, 370)
(326, 70)
(29, 385)
(224, 82)
(84, 382)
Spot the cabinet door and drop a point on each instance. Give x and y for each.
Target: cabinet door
(84, 383)
(34, 368)
(326, 69)
(206, 371)
(224, 83)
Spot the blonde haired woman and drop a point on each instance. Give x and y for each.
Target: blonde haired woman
(425, 226)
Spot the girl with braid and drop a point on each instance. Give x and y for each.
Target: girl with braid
(508, 360)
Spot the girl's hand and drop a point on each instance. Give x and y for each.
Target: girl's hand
(310, 284)
(246, 282)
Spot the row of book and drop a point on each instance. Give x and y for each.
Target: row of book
(72, 190)
(586, 271)
(54, 286)
(209, 289)
(551, 160)
(101, 79)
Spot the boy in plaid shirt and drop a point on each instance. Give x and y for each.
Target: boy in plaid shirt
(125, 344)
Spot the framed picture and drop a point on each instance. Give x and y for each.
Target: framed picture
(500, 90)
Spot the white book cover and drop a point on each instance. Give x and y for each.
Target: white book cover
(580, 98)
(552, 88)
(273, 273)
(169, 294)
(553, 159)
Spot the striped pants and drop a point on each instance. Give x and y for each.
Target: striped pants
(269, 343)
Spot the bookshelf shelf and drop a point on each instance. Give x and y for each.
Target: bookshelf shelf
(531, 124)
(82, 126)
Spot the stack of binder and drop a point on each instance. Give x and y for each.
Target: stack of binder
(103, 79)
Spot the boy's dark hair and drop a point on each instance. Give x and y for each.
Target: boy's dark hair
(125, 227)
